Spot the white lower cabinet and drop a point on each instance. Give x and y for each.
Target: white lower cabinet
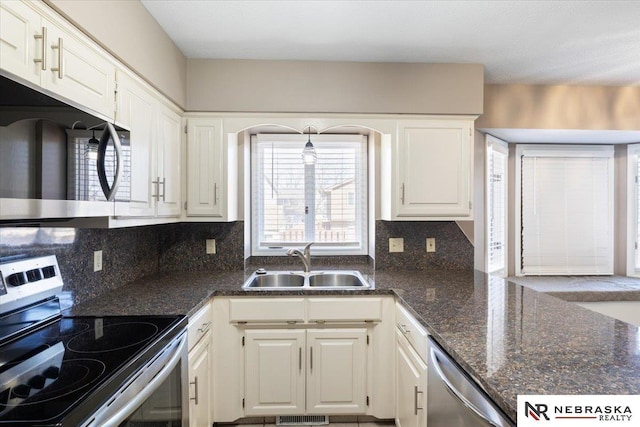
(301, 371)
(274, 372)
(337, 372)
(200, 368)
(411, 389)
(303, 356)
(200, 401)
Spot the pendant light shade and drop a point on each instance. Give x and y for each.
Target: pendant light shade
(309, 155)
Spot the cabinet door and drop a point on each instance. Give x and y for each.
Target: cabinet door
(136, 110)
(78, 72)
(411, 386)
(274, 372)
(434, 168)
(199, 385)
(337, 372)
(205, 166)
(21, 41)
(168, 150)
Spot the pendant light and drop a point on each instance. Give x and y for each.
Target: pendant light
(92, 147)
(309, 155)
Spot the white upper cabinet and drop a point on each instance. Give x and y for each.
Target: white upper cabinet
(48, 52)
(22, 44)
(211, 170)
(155, 150)
(427, 171)
(168, 155)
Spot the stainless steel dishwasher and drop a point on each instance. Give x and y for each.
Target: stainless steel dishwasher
(454, 399)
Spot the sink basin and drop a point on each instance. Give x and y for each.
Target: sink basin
(275, 280)
(297, 280)
(336, 280)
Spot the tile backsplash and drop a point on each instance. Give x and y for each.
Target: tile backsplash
(127, 253)
(131, 253)
(453, 249)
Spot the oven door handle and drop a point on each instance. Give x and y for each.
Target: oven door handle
(121, 414)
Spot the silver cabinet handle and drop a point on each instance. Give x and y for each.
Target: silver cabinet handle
(402, 194)
(455, 392)
(59, 68)
(403, 329)
(156, 195)
(416, 392)
(205, 327)
(300, 358)
(43, 37)
(311, 358)
(195, 390)
(215, 193)
(164, 188)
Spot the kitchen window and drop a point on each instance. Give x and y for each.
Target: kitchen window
(496, 204)
(566, 209)
(294, 203)
(633, 209)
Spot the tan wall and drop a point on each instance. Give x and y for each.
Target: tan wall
(561, 107)
(130, 33)
(336, 87)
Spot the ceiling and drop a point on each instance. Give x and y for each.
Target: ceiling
(534, 42)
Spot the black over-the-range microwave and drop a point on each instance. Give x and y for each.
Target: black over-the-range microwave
(57, 161)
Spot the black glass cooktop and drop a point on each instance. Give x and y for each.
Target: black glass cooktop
(76, 361)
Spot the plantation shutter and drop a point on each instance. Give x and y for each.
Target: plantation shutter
(496, 184)
(567, 211)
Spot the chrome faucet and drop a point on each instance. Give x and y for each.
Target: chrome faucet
(304, 256)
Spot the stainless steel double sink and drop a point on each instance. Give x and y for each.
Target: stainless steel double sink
(262, 280)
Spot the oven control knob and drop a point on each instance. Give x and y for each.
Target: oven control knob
(16, 279)
(48, 271)
(51, 372)
(37, 382)
(20, 391)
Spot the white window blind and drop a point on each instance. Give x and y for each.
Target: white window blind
(496, 220)
(633, 203)
(637, 210)
(567, 210)
(325, 203)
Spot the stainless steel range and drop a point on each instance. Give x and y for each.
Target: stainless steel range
(84, 371)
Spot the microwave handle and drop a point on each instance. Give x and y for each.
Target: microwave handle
(109, 191)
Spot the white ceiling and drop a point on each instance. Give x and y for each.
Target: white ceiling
(536, 42)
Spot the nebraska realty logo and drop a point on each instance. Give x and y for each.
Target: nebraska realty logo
(578, 410)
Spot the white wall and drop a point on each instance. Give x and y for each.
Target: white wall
(333, 87)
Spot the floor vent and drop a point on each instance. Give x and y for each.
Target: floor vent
(302, 420)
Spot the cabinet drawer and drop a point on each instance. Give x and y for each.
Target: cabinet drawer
(265, 310)
(412, 330)
(344, 309)
(199, 325)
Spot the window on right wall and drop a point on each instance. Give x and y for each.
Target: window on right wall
(633, 209)
(566, 210)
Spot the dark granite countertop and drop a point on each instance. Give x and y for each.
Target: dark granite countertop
(510, 338)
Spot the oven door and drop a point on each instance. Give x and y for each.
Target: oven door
(157, 395)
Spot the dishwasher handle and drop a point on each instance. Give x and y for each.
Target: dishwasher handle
(455, 392)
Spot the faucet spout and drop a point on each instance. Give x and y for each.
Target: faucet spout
(305, 256)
